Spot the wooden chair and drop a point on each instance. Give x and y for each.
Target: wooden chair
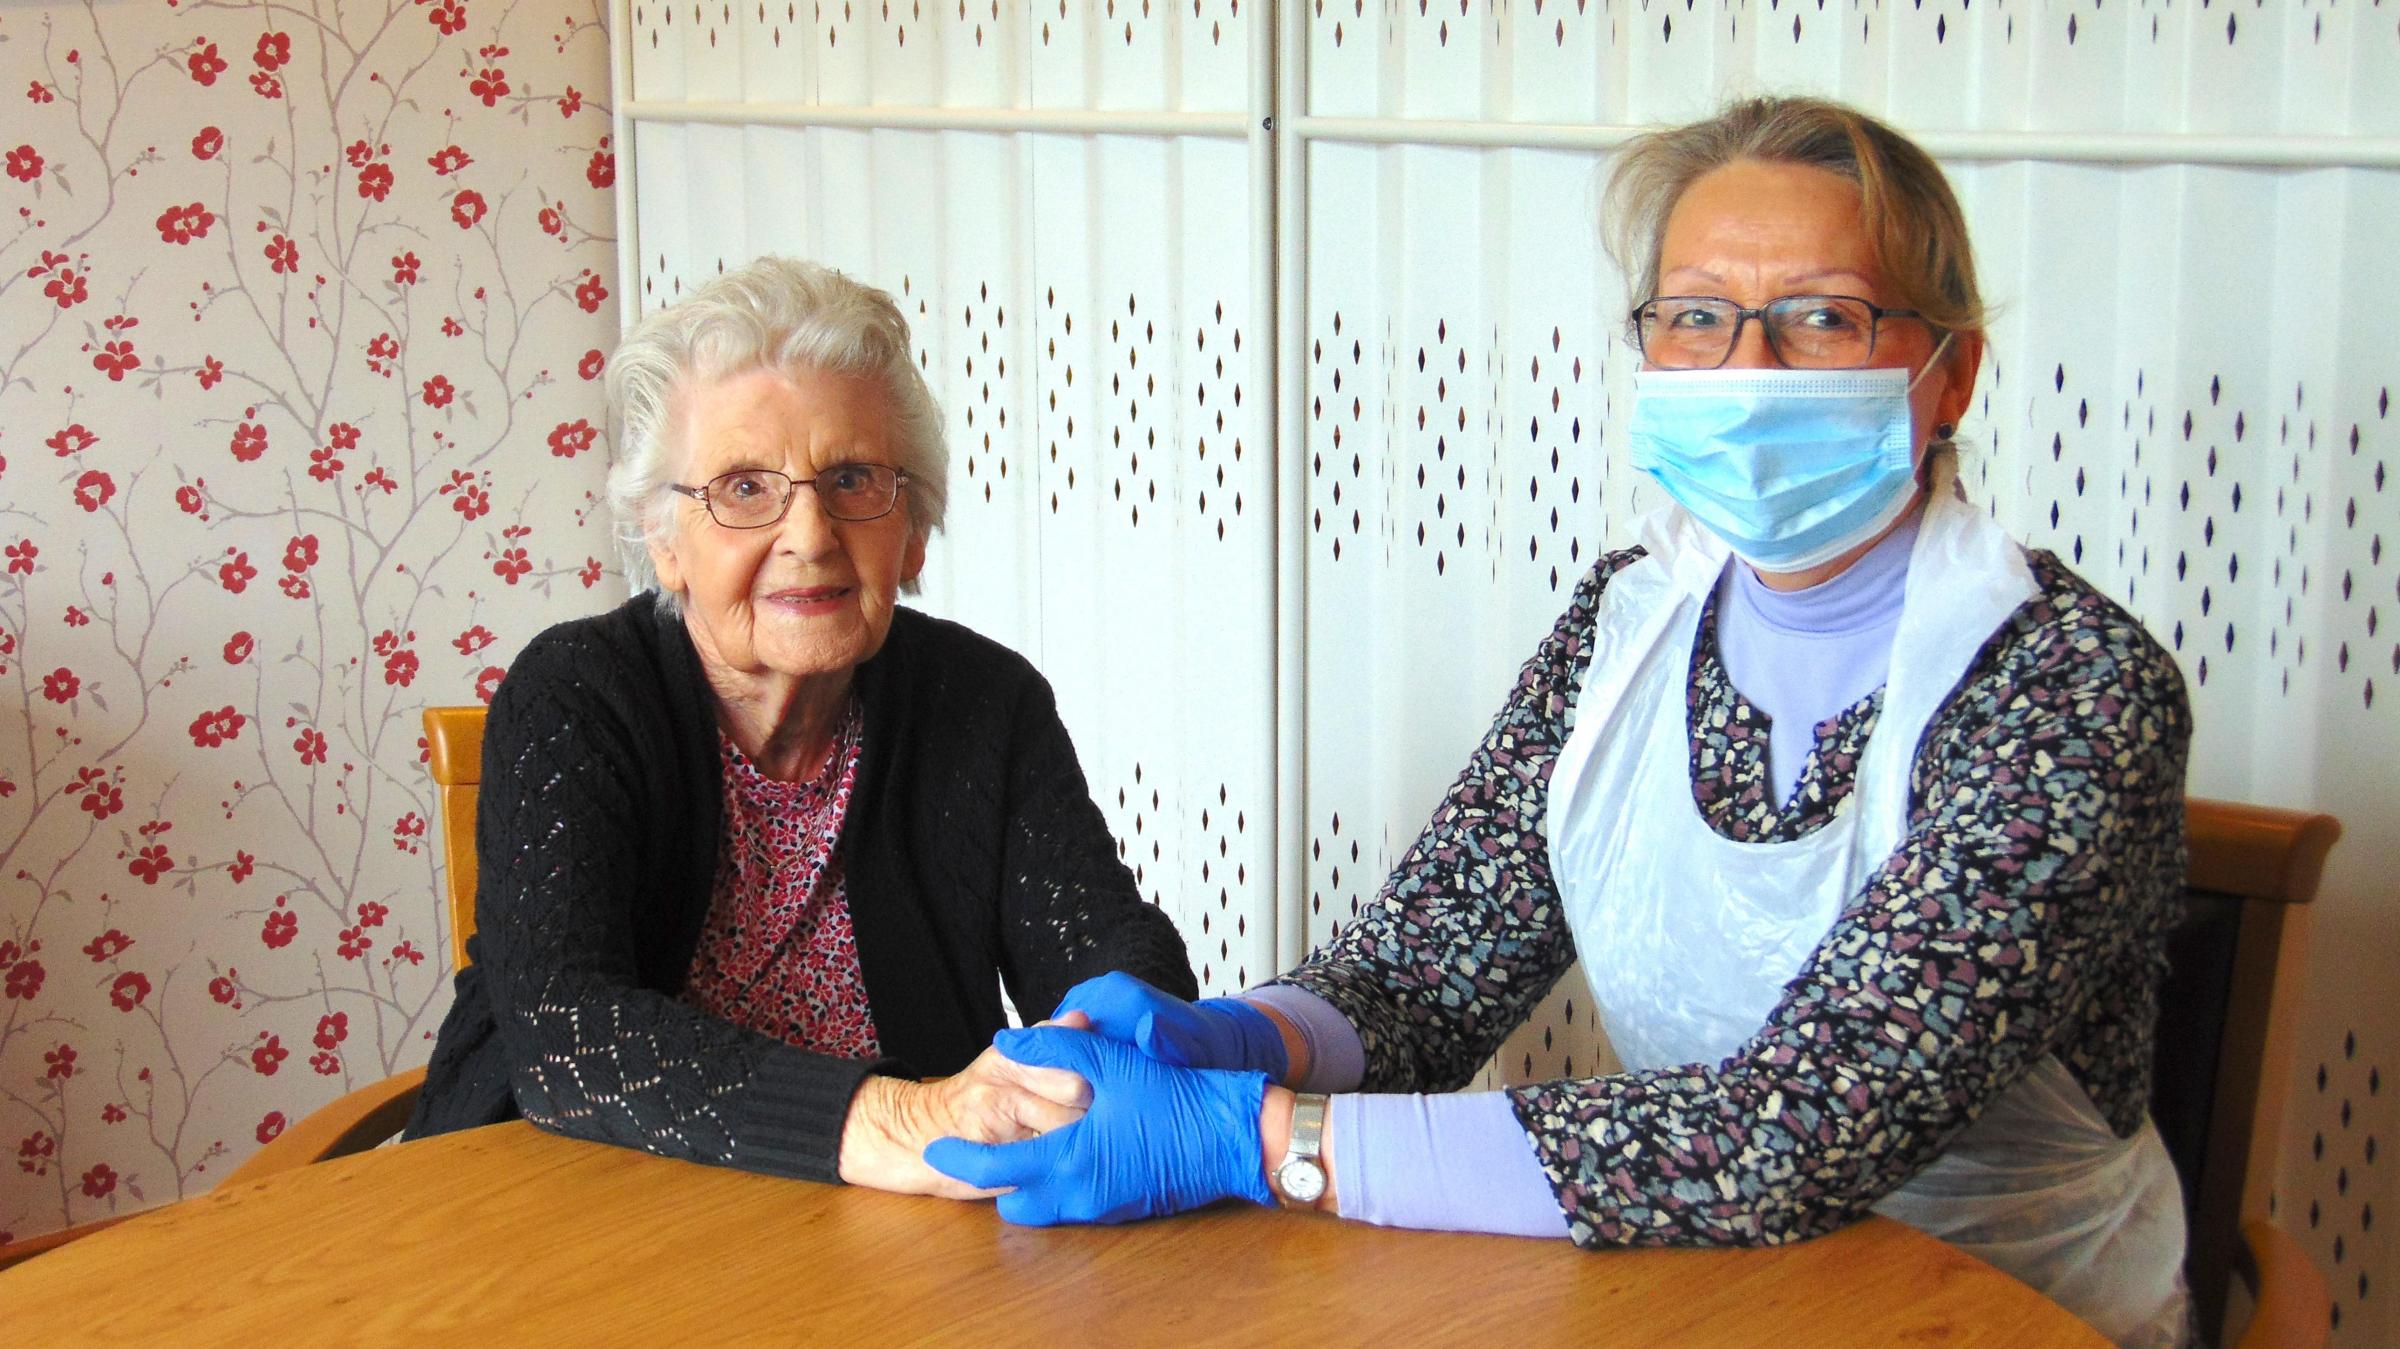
(2224, 1056)
(454, 736)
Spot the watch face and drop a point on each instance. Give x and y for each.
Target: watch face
(1301, 1180)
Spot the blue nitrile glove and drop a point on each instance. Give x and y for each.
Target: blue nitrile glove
(1158, 1139)
(1211, 1033)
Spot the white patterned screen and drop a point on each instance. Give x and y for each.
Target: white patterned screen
(2187, 214)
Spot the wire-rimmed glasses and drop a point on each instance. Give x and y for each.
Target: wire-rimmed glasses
(753, 498)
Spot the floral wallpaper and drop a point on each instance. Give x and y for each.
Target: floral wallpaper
(302, 313)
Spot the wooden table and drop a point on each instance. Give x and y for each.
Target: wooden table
(509, 1234)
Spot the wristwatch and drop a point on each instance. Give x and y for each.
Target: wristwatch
(1301, 1177)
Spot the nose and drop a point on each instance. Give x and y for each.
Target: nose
(1751, 350)
(806, 531)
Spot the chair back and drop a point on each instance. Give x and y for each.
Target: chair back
(454, 737)
(2225, 1023)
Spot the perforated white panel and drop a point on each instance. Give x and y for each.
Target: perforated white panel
(2187, 394)
(1155, 534)
(1459, 480)
(1089, 54)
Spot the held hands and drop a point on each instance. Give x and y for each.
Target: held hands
(995, 1100)
(1157, 1139)
(1211, 1033)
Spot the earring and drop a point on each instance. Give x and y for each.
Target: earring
(1945, 430)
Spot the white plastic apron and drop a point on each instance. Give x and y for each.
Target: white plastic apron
(1688, 937)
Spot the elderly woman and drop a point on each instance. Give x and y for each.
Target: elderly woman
(759, 847)
(1865, 822)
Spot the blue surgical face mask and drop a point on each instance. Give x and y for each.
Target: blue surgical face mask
(1791, 468)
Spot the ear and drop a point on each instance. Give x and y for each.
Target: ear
(912, 563)
(1959, 368)
(665, 562)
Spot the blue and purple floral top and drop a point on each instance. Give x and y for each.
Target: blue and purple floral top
(2023, 914)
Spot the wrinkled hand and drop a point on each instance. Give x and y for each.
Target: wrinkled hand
(1211, 1033)
(1157, 1139)
(994, 1100)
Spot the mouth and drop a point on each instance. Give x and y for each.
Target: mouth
(809, 599)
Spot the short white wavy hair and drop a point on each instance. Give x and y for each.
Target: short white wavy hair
(774, 314)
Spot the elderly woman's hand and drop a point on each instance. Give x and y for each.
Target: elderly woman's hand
(1159, 1139)
(994, 1100)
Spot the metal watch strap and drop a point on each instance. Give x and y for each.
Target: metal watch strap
(1301, 1178)
(1308, 1126)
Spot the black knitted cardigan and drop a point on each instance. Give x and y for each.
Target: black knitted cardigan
(971, 849)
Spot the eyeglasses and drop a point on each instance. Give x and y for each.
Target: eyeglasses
(753, 498)
(1808, 332)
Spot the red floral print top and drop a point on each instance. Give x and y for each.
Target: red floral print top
(776, 954)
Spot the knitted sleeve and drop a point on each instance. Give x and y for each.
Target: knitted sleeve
(590, 1053)
(1469, 934)
(1069, 908)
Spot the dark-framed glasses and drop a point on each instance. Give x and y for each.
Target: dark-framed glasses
(1806, 332)
(753, 498)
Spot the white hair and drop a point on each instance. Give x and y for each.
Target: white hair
(775, 314)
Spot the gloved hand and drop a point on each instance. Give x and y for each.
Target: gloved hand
(1157, 1139)
(1211, 1033)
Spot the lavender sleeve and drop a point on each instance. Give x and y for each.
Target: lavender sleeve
(1459, 1163)
(1336, 1059)
(1456, 1163)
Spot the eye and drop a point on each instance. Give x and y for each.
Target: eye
(1686, 316)
(1825, 315)
(748, 485)
(850, 477)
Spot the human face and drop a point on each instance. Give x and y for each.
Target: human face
(1754, 232)
(810, 597)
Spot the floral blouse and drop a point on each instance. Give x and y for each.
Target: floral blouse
(776, 954)
(2023, 914)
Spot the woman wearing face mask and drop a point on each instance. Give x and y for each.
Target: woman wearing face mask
(1866, 824)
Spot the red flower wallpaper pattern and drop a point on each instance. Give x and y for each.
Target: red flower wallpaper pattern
(305, 311)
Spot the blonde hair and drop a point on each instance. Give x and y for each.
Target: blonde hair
(1911, 218)
(775, 314)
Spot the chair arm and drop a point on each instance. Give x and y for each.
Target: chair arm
(2257, 852)
(18, 1251)
(2293, 1310)
(354, 1123)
